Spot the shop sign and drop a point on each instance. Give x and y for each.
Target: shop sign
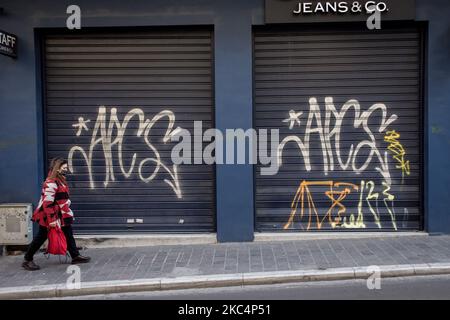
(8, 44)
(289, 11)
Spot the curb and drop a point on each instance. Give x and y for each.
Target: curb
(143, 240)
(271, 236)
(222, 280)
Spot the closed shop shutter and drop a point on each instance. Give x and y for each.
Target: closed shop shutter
(348, 104)
(112, 102)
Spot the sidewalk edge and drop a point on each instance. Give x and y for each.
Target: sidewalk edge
(221, 280)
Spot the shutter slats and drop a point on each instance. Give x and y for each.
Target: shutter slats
(150, 70)
(291, 65)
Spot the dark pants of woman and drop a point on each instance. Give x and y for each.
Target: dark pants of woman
(41, 236)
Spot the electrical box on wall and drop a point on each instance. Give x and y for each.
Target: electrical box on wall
(16, 227)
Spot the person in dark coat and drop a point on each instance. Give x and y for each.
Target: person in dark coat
(53, 211)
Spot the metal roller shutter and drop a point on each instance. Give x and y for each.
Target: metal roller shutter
(114, 96)
(356, 95)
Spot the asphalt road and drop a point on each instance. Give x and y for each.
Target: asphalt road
(424, 287)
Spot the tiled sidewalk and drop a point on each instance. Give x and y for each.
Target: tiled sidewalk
(186, 260)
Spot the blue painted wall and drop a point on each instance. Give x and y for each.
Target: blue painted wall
(21, 149)
(437, 12)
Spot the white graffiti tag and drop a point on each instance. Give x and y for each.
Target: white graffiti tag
(293, 119)
(322, 128)
(104, 135)
(81, 125)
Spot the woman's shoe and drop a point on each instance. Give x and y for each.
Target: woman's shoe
(80, 259)
(30, 266)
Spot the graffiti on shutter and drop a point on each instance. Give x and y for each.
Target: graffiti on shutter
(337, 191)
(104, 135)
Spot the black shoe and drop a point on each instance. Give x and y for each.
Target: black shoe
(80, 259)
(30, 266)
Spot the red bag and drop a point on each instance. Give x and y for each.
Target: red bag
(57, 244)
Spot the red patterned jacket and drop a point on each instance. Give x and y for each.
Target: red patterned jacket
(54, 203)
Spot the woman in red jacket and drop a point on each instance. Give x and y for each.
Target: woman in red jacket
(53, 211)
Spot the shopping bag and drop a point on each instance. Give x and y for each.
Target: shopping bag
(57, 244)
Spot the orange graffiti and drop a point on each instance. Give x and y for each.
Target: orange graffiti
(303, 189)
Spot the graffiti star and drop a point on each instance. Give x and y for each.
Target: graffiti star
(81, 125)
(293, 118)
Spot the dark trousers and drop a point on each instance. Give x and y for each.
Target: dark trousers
(41, 236)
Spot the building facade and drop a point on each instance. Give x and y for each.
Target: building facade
(360, 114)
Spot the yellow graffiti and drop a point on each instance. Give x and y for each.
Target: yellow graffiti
(359, 223)
(372, 196)
(389, 197)
(398, 151)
